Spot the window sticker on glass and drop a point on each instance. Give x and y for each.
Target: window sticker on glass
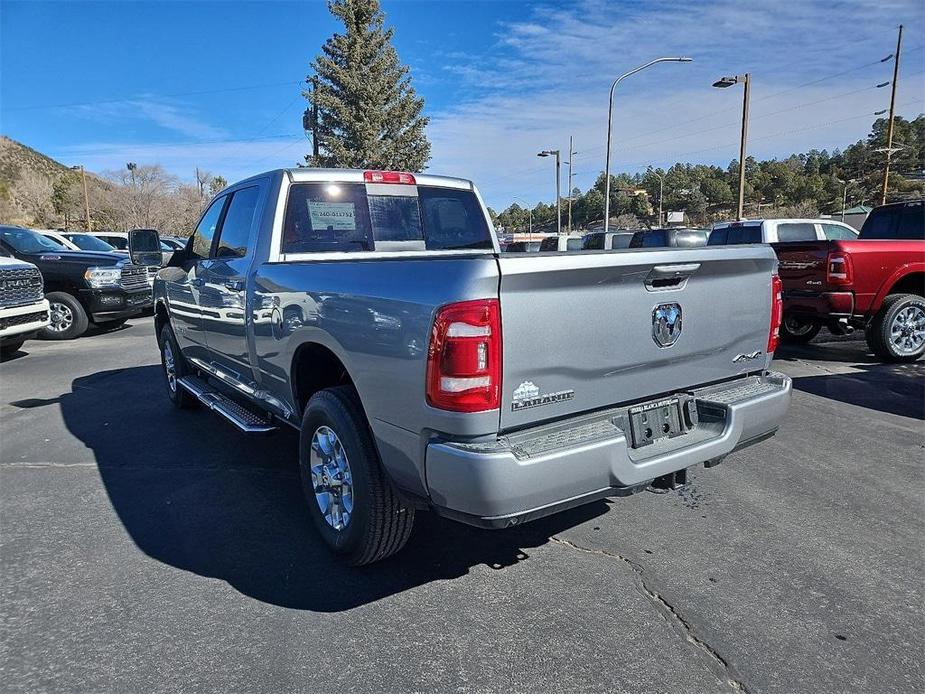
(336, 216)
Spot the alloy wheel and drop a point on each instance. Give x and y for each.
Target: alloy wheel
(907, 331)
(331, 478)
(61, 317)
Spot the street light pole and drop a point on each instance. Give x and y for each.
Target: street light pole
(83, 174)
(610, 126)
(889, 137)
(549, 153)
(722, 83)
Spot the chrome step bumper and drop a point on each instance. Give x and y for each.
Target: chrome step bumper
(242, 417)
(532, 473)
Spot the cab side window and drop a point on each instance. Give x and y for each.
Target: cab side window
(236, 229)
(202, 238)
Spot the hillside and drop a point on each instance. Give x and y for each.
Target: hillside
(16, 158)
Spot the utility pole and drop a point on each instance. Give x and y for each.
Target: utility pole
(310, 117)
(83, 174)
(889, 136)
(722, 83)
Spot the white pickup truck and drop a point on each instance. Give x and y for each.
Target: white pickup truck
(373, 311)
(23, 307)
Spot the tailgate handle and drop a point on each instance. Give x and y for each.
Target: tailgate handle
(663, 277)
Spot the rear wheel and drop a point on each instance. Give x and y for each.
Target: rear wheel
(174, 368)
(897, 332)
(798, 330)
(351, 500)
(67, 317)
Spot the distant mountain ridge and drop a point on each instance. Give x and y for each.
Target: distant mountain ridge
(17, 158)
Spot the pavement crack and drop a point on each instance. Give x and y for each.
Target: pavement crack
(718, 663)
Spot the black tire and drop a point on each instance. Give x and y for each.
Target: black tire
(68, 321)
(879, 331)
(170, 351)
(8, 349)
(111, 324)
(796, 331)
(379, 523)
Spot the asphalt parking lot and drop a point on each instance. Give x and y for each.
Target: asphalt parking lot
(147, 550)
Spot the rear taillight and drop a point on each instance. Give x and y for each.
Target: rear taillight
(464, 357)
(838, 268)
(389, 177)
(777, 313)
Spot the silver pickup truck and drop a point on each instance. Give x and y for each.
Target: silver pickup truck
(373, 311)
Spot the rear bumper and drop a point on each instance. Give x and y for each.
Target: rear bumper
(531, 474)
(820, 306)
(23, 320)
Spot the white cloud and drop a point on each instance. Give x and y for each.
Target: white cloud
(549, 75)
(169, 116)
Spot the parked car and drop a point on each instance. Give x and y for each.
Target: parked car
(669, 238)
(780, 231)
(77, 241)
(23, 307)
(119, 241)
(610, 240)
(875, 282)
(175, 242)
(81, 286)
(426, 370)
(560, 242)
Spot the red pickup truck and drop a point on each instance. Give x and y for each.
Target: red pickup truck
(876, 282)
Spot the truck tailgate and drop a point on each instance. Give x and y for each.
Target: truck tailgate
(580, 330)
(802, 264)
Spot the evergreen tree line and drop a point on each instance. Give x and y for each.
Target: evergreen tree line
(802, 185)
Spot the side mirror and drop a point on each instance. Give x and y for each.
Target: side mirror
(144, 247)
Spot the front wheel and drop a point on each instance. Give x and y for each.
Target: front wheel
(67, 317)
(798, 330)
(174, 368)
(897, 332)
(356, 510)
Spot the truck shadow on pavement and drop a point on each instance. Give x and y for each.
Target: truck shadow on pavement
(892, 388)
(196, 494)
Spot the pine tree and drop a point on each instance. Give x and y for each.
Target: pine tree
(368, 115)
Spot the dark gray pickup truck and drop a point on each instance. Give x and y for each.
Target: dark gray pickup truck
(373, 311)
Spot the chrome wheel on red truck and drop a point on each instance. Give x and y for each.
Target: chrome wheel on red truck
(897, 332)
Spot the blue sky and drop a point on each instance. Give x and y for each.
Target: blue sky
(217, 84)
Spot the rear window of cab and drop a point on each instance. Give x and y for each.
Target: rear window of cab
(349, 217)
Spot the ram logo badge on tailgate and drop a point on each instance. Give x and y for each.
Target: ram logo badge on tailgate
(666, 324)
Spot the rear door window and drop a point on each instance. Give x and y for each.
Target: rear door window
(593, 242)
(912, 222)
(344, 217)
(836, 232)
(796, 231)
(718, 237)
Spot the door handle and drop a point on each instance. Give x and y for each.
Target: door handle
(235, 285)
